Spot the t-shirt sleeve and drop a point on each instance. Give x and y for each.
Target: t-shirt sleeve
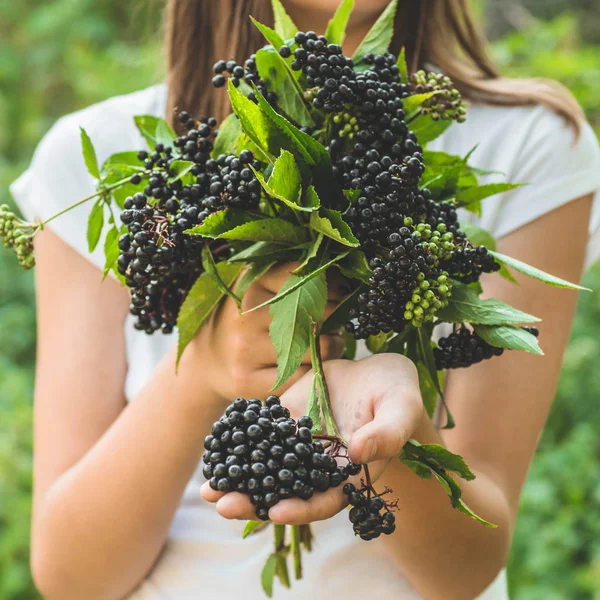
(559, 166)
(57, 178)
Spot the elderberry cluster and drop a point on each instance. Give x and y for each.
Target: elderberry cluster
(446, 103)
(468, 262)
(258, 450)
(370, 515)
(463, 348)
(17, 235)
(248, 73)
(159, 261)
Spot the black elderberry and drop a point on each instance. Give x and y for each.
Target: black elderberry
(463, 348)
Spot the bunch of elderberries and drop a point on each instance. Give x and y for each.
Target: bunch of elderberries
(259, 450)
(159, 261)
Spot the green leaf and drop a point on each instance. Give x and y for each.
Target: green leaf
(349, 346)
(512, 338)
(210, 267)
(331, 224)
(310, 256)
(466, 197)
(530, 271)
(95, 224)
(378, 343)
(227, 139)
(478, 236)
(402, 66)
(278, 75)
(355, 266)
(427, 130)
(466, 307)
(261, 251)
(291, 321)
(378, 40)
(123, 159)
(164, 134)
(313, 409)
(220, 223)
(179, 169)
(201, 301)
(285, 181)
(336, 29)
(284, 25)
(434, 158)
(412, 103)
(154, 130)
(441, 456)
(89, 154)
(310, 199)
(111, 250)
(251, 527)
(281, 570)
(251, 274)
(341, 315)
(268, 575)
(285, 291)
(428, 391)
(255, 123)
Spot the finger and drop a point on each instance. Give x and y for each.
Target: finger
(236, 506)
(209, 494)
(321, 506)
(396, 415)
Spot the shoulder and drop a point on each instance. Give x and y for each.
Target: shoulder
(109, 124)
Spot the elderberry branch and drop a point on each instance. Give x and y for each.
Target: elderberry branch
(296, 551)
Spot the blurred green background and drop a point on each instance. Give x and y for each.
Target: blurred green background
(60, 55)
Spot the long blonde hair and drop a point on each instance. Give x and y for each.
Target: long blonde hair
(442, 33)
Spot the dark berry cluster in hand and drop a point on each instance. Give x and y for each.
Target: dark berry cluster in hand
(370, 514)
(159, 261)
(18, 236)
(446, 103)
(463, 348)
(259, 450)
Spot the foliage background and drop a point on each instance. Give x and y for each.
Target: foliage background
(60, 55)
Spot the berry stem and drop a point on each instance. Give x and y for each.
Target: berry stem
(296, 551)
(322, 390)
(279, 537)
(104, 190)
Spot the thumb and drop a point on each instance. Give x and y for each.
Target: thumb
(396, 416)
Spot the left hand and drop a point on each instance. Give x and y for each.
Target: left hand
(377, 406)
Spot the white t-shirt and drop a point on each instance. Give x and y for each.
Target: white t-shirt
(205, 553)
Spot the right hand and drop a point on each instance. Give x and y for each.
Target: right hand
(235, 352)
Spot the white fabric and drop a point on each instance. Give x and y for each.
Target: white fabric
(205, 554)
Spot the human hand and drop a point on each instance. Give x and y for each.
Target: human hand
(377, 405)
(234, 350)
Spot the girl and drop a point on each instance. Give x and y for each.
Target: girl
(118, 509)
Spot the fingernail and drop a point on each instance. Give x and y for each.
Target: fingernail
(370, 450)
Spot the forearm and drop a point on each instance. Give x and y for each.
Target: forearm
(102, 524)
(445, 554)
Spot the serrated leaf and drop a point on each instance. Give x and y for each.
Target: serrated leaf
(179, 169)
(148, 126)
(336, 28)
(331, 224)
(284, 25)
(111, 250)
(251, 527)
(417, 468)
(466, 307)
(300, 282)
(267, 576)
(285, 181)
(441, 456)
(530, 271)
(254, 123)
(278, 75)
(291, 321)
(227, 139)
(467, 196)
(310, 256)
(201, 300)
(219, 223)
(95, 224)
(402, 66)
(512, 338)
(251, 274)
(269, 230)
(478, 236)
(378, 40)
(261, 251)
(210, 267)
(310, 198)
(89, 154)
(427, 130)
(313, 409)
(355, 266)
